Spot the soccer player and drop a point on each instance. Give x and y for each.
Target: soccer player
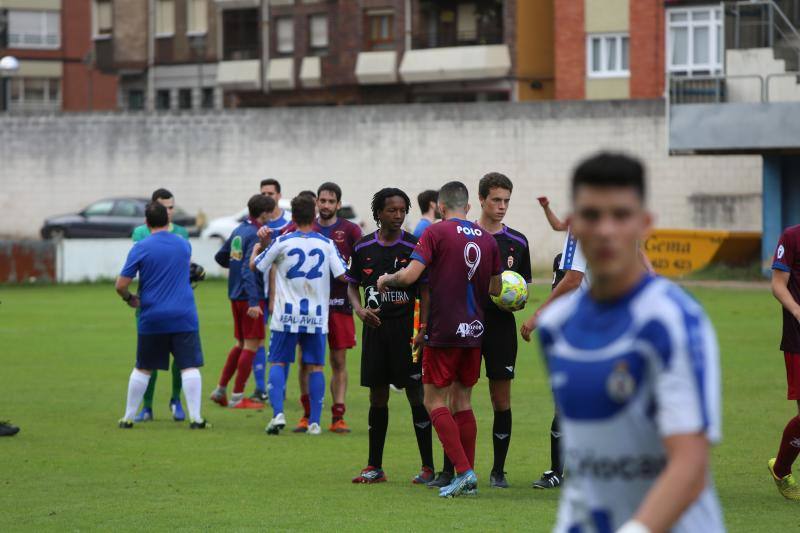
(246, 292)
(388, 329)
(427, 206)
(786, 288)
(341, 328)
(278, 220)
(463, 268)
(165, 198)
(304, 261)
(634, 367)
(500, 337)
(168, 319)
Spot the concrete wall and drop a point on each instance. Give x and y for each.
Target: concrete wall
(57, 164)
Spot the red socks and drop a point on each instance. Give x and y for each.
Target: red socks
(468, 430)
(230, 366)
(305, 401)
(790, 447)
(450, 435)
(337, 411)
(243, 372)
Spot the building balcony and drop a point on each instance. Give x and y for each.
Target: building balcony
(443, 37)
(458, 63)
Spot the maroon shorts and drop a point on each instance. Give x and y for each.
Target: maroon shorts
(792, 375)
(443, 366)
(245, 327)
(341, 331)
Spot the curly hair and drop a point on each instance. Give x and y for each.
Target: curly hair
(379, 201)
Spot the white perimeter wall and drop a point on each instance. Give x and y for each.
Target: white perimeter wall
(57, 164)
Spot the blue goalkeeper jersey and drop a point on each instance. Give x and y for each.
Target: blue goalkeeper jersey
(234, 255)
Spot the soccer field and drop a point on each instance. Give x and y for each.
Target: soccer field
(66, 353)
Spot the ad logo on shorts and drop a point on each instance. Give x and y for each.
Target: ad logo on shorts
(781, 251)
(474, 329)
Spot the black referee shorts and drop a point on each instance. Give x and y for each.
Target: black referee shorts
(499, 344)
(386, 354)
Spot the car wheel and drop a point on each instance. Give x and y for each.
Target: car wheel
(56, 233)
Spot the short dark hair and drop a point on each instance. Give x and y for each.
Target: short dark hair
(331, 187)
(454, 195)
(273, 182)
(425, 198)
(160, 194)
(493, 180)
(310, 194)
(156, 215)
(379, 200)
(303, 210)
(609, 169)
(258, 204)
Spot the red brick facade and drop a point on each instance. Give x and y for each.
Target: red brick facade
(647, 48)
(570, 50)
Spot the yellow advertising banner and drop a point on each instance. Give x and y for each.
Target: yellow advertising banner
(675, 252)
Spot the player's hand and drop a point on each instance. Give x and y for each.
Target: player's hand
(418, 344)
(383, 282)
(134, 301)
(543, 201)
(255, 311)
(528, 327)
(264, 236)
(369, 317)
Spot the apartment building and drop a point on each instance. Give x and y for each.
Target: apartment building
(51, 39)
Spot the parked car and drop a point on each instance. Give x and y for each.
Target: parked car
(109, 218)
(221, 228)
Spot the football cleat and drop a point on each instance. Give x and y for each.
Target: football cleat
(465, 484)
(314, 429)
(275, 425)
(787, 485)
(7, 429)
(125, 424)
(202, 424)
(340, 426)
(425, 476)
(442, 480)
(145, 415)
(370, 475)
(177, 410)
(247, 403)
(302, 426)
(219, 397)
(549, 480)
(260, 396)
(498, 480)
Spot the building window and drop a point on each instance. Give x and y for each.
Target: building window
(208, 98)
(34, 29)
(607, 55)
(184, 99)
(36, 94)
(380, 29)
(197, 16)
(240, 34)
(163, 99)
(695, 40)
(103, 18)
(136, 99)
(165, 18)
(285, 35)
(318, 32)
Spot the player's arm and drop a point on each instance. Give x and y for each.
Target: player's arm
(122, 288)
(223, 256)
(780, 289)
(254, 295)
(126, 275)
(424, 311)
(271, 298)
(264, 235)
(572, 280)
(404, 277)
(555, 222)
(678, 485)
(367, 316)
(495, 285)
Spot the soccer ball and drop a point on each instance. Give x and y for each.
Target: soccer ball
(514, 293)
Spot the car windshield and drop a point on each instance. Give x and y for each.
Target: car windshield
(128, 208)
(102, 207)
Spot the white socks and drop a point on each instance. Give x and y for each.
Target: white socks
(193, 390)
(137, 386)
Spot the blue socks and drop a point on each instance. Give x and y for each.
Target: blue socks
(285, 376)
(277, 384)
(260, 368)
(316, 392)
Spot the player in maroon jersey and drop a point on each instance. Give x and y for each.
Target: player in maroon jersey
(786, 288)
(463, 267)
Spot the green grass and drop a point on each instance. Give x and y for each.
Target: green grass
(66, 353)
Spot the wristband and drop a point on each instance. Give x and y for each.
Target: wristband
(128, 298)
(633, 526)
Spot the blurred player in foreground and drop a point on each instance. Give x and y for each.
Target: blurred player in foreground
(168, 320)
(634, 368)
(305, 261)
(463, 267)
(388, 330)
(246, 293)
(165, 198)
(786, 288)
